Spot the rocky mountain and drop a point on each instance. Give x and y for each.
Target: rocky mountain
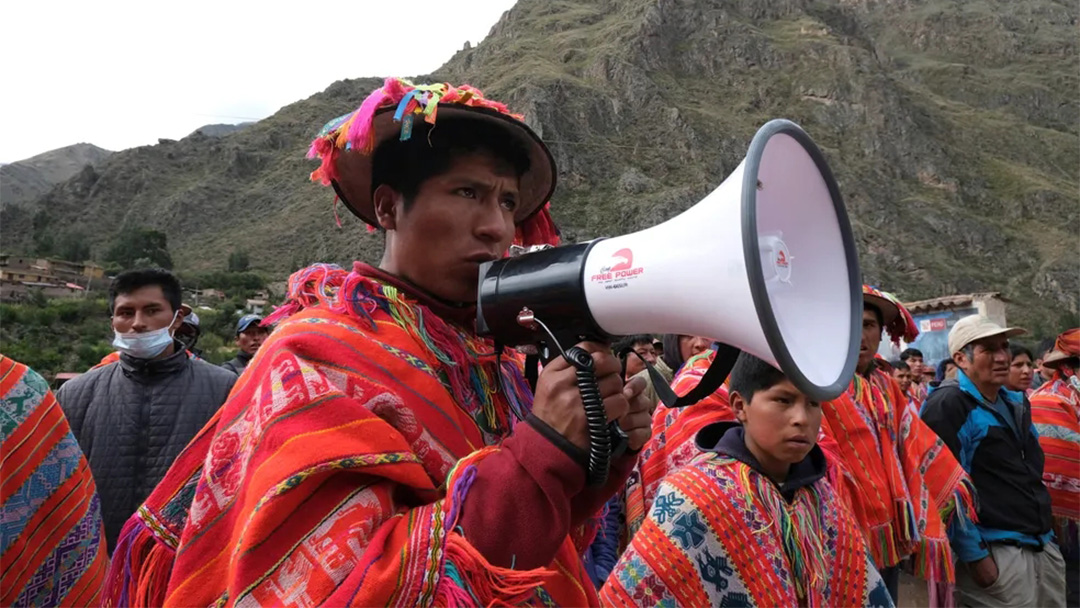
(950, 125)
(221, 130)
(25, 180)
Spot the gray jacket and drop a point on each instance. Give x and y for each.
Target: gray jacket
(239, 363)
(133, 417)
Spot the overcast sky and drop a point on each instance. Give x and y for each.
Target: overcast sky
(122, 74)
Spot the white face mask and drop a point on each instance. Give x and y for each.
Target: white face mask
(146, 345)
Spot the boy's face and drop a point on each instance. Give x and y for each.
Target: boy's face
(903, 378)
(780, 422)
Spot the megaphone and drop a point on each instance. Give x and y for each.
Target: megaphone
(765, 263)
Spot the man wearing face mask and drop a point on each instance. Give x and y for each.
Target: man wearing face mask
(132, 417)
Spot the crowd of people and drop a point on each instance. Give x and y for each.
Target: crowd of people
(367, 447)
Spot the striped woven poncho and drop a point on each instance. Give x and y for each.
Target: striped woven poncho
(52, 542)
(334, 473)
(903, 483)
(720, 534)
(1055, 411)
(672, 441)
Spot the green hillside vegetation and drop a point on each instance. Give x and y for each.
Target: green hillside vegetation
(951, 127)
(53, 336)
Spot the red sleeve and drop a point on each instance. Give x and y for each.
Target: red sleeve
(527, 497)
(518, 509)
(589, 502)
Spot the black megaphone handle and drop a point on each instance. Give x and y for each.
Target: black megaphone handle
(606, 440)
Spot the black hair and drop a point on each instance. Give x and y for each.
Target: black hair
(939, 374)
(406, 165)
(627, 343)
(127, 282)
(1044, 346)
(911, 352)
(672, 353)
(1015, 350)
(877, 313)
(901, 365)
(624, 345)
(751, 375)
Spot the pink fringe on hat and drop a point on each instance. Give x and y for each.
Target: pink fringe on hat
(355, 131)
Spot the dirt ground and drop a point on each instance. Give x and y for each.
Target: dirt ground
(913, 593)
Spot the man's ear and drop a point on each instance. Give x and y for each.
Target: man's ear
(387, 204)
(960, 359)
(738, 405)
(177, 322)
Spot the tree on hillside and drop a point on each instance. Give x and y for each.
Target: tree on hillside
(135, 247)
(238, 261)
(73, 247)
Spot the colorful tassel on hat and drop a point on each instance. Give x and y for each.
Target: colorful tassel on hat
(903, 327)
(540, 229)
(356, 131)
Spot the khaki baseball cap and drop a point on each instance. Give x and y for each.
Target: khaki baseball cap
(977, 327)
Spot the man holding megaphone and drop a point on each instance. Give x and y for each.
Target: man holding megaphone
(377, 450)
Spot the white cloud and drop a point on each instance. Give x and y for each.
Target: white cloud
(120, 74)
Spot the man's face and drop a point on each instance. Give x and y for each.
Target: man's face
(187, 335)
(871, 339)
(252, 338)
(458, 220)
(903, 378)
(644, 351)
(950, 371)
(142, 310)
(916, 365)
(1044, 371)
(989, 363)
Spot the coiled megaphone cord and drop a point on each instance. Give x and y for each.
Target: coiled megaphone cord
(595, 415)
(600, 448)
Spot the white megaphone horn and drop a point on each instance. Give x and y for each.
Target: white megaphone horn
(765, 263)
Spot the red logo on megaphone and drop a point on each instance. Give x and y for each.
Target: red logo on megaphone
(626, 258)
(618, 271)
(781, 259)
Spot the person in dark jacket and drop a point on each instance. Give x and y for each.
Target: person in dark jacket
(1010, 556)
(132, 417)
(250, 334)
(189, 331)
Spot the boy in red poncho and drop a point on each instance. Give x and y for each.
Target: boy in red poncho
(753, 519)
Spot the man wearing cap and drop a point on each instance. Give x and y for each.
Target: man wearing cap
(250, 334)
(1009, 557)
(902, 483)
(189, 331)
(378, 451)
(1055, 411)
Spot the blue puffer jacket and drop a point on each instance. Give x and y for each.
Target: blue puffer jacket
(998, 446)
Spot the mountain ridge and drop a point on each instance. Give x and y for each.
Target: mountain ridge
(24, 180)
(949, 125)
